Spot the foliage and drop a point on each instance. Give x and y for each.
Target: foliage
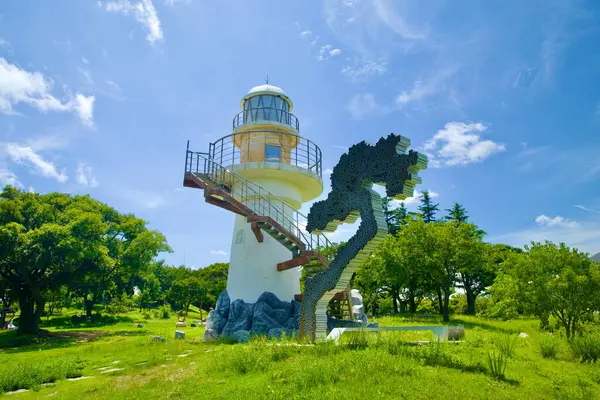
(586, 348)
(506, 344)
(497, 364)
(549, 346)
(427, 207)
(53, 240)
(549, 280)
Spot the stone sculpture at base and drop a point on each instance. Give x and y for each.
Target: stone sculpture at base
(269, 316)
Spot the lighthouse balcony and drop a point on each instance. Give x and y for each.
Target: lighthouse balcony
(266, 116)
(267, 147)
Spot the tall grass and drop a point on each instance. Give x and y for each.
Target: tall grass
(507, 344)
(586, 348)
(30, 375)
(497, 364)
(549, 346)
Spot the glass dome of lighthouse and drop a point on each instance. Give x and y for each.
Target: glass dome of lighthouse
(267, 104)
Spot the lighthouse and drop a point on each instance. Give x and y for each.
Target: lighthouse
(263, 172)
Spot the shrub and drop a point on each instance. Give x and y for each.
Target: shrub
(506, 344)
(165, 311)
(586, 348)
(549, 346)
(497, 364)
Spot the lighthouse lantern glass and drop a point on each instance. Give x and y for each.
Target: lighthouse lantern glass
(266, 108)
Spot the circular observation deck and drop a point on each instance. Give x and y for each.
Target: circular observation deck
(272, 155)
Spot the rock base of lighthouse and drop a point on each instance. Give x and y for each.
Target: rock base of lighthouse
(237, 319)
(269, 317)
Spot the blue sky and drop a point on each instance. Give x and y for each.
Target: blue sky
(100, 97)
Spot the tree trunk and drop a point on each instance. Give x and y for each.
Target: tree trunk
(470, 301)
(445, 313)
(412, 304)
(31, 305)
(89, 307)
(440, 302)
(395, 294)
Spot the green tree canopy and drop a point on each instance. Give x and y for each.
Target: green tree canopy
(549, 279)
(57, 239)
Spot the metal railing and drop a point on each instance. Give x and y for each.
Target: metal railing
(265, 114)
(258, 199)
(295, 150)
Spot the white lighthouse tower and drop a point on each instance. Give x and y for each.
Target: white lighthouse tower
(263, 172)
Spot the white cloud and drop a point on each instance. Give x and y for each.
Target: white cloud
(85, 176)
(4, 43)
(585, 236)
(587, 209)
(8, 178)
(142, 198)
(174, 2)
(418, 92)
(328, 51)
(363, 104)
(544, 220)
(84, 106)
(384, 9)
(26, 155)
(306, 34)
(422, 89)
(84, 60)
(218, 253)
(86, 74)
(144, 12)
(460, 143)
(365, 68)
(412, 201)
(20, 86)
(113, 86)
(328, 171)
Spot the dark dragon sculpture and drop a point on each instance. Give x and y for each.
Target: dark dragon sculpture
(352, 196)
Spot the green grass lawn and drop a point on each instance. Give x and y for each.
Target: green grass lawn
(120, 361)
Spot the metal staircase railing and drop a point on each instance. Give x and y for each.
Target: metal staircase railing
(255, 197)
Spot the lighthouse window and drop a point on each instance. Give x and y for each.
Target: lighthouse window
(272, 153)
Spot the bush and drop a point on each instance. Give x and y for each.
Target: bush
(549, 346)
(586, 348)
(165, 311)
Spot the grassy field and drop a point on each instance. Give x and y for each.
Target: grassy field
(118, 360)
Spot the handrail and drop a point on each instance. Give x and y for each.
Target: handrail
(266, 114)
(301, 152)
(255, 197)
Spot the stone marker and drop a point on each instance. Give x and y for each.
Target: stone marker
(179, 335)
(158, 339)
(180, 324)
(140, 325)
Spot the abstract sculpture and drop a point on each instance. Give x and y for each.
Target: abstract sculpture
(352, 196)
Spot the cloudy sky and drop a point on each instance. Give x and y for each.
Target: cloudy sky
(100, 97)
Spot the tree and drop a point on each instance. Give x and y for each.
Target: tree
(550, 279)
(185, 291)
(56, 239)
(214, 281)
(394, 217)
(427, 207)
(457, 214)
(367, 280)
